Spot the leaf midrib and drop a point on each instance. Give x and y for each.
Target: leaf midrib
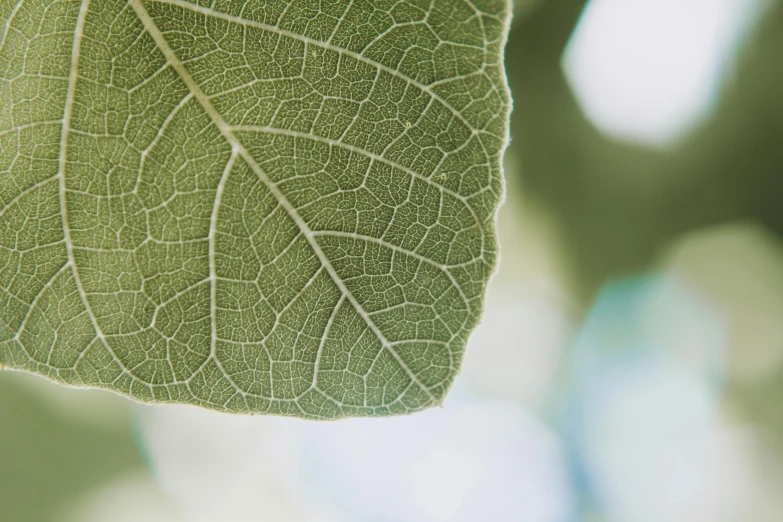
(227, 133)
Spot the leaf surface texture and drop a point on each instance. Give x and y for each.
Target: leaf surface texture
(260, 206)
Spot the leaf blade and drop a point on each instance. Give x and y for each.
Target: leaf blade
(235, 231)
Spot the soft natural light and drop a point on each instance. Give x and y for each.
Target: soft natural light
(648, 71)
(471, 460)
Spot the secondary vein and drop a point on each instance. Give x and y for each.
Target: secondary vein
(226, 131)
(69, 100)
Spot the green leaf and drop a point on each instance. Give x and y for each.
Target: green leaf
(259, 206)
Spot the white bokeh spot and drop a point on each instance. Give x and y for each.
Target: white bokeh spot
(649, 71)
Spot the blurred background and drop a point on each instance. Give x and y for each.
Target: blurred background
(630, 364)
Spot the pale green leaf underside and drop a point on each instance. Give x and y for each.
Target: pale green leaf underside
(262, 206)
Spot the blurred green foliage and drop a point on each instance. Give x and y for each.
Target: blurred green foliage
(51, 458)
(618, 205)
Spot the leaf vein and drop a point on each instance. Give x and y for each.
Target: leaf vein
(227, 132)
